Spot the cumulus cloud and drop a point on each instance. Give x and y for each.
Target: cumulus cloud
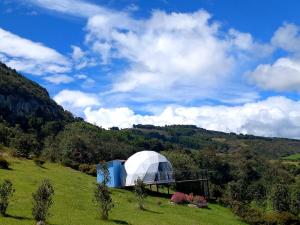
(275, 116)
(176, 53)
(282, 75)
(287, 37)
(244, 42)
(168, 57)
(30, 57)
(59, 79)
(76, 101)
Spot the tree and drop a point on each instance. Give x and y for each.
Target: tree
(295, 206)
(42, 201)
(281, 198)
(6, 191)
(102, 193)
(183, 164)
(258, 192)
(140, 192)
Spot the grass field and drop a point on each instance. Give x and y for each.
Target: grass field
(293, 157)
(73, 203)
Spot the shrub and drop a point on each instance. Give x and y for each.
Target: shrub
(3, 163)
(69, 163)
(179, 198)
(200, 201)
(281, 198)
(253, 216)
(190, 197)
(42, 201)
(88, 169)
(197, 200)
(39, 162)
(6, 191)
(103, 195)
(140, 192)
(274, 218)
(295, 207)
(239, 208)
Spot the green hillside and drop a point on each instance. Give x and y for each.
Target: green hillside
(294, 157)
(73, 203)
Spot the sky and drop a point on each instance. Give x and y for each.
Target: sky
(231, 66)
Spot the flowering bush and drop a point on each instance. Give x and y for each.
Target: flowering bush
(200, 201)
(190, 197)
(179, 198)
(197, 200)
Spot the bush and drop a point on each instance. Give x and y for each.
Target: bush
(88, 169)
(140, 192)
(103, 195)
(274, 218)
(254, 216)
(197, 200)
(200, 201)
(42, 201)
(281, 198)
(3, 163)
(239, 208)
(6, 191)
(179, 198)
(190, 197)
(39, 162)
(70, 163)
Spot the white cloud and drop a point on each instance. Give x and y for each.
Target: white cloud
(59, 79)
(80, 60)
(30, 57)
(275, 116)
(76, 8)
(282, 75)
(77, 53)
(287, 37)
(132, 8)
(245, 42)
(170, 55)
(75, 101)
(87, 81)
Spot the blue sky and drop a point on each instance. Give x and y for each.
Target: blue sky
(230, 65)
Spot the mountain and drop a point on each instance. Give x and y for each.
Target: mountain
(22, 99)
(194, 138)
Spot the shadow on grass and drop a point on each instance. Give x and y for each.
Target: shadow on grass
(121, 222)
(159, 194)
(17, 217)
(151, 211)
(41, 166)
(6, 168)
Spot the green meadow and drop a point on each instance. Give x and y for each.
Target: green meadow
(73, 202)
(293, 157)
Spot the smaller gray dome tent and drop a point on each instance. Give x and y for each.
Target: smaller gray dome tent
(149, 166)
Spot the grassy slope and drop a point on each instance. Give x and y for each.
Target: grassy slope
(292, 157)
(73, 201)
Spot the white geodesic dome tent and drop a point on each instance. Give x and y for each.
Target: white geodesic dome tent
(149, 166)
